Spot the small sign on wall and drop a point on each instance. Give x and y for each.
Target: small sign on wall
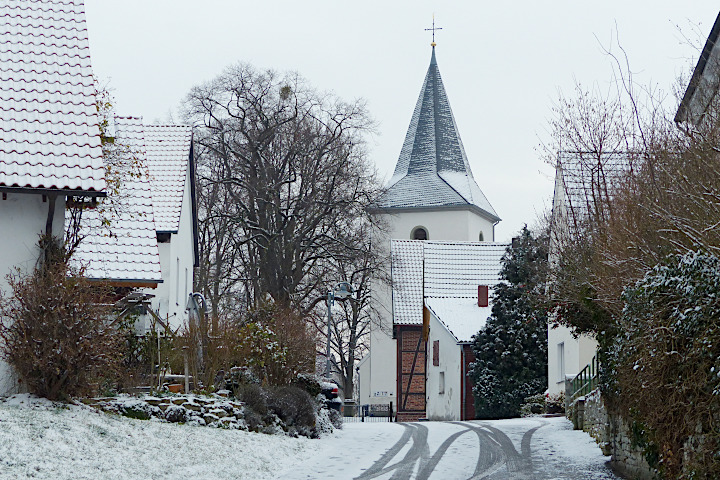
(381, 394)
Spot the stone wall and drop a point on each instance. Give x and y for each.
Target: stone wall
(596, 421)
(628, 456)
(614, 436)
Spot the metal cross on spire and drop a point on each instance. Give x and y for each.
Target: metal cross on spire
(433, 30)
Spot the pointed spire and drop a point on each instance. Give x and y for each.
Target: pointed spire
(433, 170)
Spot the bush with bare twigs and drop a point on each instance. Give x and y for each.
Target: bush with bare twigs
(636, 265)
(54, 331)
(277, 345)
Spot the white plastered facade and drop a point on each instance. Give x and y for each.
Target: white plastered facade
(443, 387)
(177, 258)
(22, 219)
(567, 355)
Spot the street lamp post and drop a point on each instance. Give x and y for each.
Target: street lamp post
(341, 291)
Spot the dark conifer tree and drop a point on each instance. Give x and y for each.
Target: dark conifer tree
(511, 351)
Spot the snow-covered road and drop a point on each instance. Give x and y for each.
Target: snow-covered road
(534, 448)
(43, 440)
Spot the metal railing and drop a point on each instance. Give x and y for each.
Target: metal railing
(585, 381)
(369, 413)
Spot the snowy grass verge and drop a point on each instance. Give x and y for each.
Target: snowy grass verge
(41, 439)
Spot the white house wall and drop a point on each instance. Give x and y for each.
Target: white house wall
(567, 355)
(443, 406)
(22, 220)
(176, 262)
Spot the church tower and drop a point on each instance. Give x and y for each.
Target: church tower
(433, 196)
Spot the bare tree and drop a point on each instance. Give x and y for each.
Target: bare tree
(288, 170)
(354, 316)
(218, 275)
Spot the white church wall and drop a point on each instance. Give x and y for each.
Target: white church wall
(22, 218)
(443, 388)
(477, 224)
(567, 356)
(459, 225)
(362, 380)
(381, 364)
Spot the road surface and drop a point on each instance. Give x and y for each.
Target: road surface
(523, 449)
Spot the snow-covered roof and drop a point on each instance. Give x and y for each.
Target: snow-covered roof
(125, 250)
(407, 280)
(168, 153)
(461, 316)
(440, 269)
(455, 269)
(433, 169)
(584, 182)
(49, 135)
(705, 82)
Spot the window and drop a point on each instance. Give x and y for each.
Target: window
(419, 233)
(441, 383)
(481, 237)
(177, 281)
(186, 283)
(561, 361)
(436, 353)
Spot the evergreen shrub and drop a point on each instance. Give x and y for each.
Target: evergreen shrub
(511, 351)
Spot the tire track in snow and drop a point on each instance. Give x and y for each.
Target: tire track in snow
(495, 450)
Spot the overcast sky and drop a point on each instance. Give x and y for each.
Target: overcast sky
(502, 64)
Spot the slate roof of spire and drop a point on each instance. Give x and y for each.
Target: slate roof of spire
(433, 169)
(49, 135)
(126, 250)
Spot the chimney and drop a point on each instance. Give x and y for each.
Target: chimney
(483, 300)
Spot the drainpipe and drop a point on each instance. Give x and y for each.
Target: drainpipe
(45, 245)
(52, 197)
(462, 382)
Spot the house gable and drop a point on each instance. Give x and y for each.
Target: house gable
(119, 241)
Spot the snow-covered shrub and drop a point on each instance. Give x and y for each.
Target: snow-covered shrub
(55, 331)
(335, 418)
(176, 414)
(555, 403)
(308, 382)
(543, 403)
(138, 409)
(533, 405)
(276, 344)
(324, 422)
(294, 407)
(254, 397)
